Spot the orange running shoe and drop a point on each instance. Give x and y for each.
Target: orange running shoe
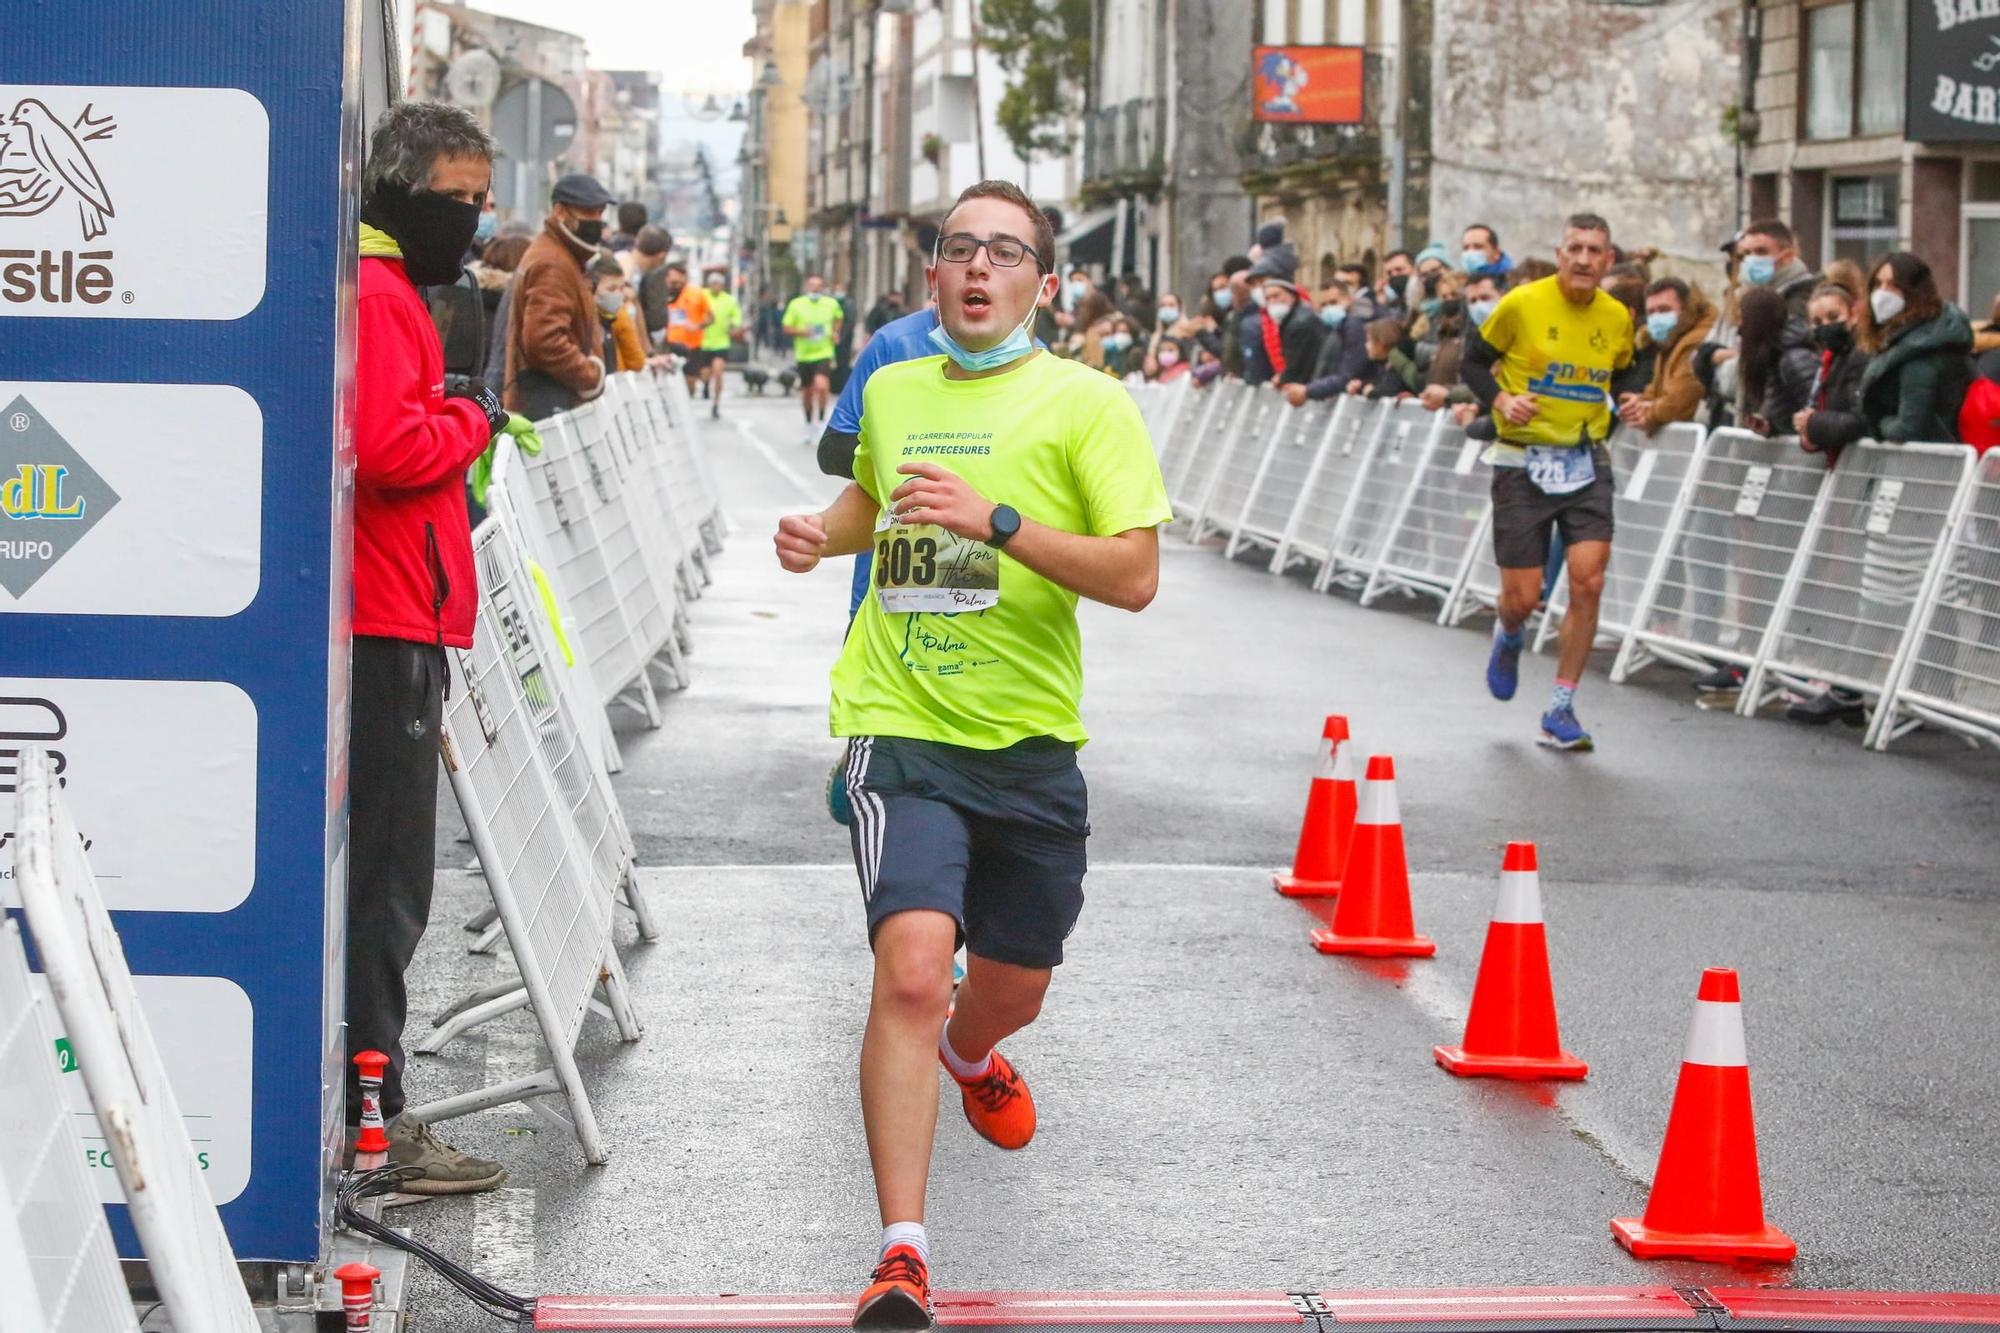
(900, 1296)
(997, 1104)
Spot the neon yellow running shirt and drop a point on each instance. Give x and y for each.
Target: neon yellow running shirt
(1066, 447)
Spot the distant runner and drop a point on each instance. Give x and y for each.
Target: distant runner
(723, 330)
(1549, 362)
(997, 485)
(812, 322)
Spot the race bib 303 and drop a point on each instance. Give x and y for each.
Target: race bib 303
(922, 567)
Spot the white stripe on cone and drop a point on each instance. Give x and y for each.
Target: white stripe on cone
(1326, 759)
(1344, 767)
(1377, 804)
(1715, 1037)
(1520, 900)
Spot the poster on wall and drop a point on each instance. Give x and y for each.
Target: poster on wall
(1953, 90)
(1308, 85)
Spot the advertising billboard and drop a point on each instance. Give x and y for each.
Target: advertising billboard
(1308, 85)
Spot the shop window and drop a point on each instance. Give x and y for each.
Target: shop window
(1863, 217)
(1854, 52)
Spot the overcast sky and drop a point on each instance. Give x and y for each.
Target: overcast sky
(695, 44)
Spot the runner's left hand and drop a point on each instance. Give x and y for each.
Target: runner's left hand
(933, 495)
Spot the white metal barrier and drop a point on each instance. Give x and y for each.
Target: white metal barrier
(1404, 439)
(1863, 572)
(1654, 477)
(1711, 599)
(58, 1267)
(192, 1265)
(675, 478)
(1187, 488)
(1442, 509)
(1189, 422)
(1323, 500)
(1242, 458)
(1950, 675)
(547, 874)
(679, 439)
(1281, 481)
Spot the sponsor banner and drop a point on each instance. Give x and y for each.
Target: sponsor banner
(1308, 85)
(129, 499)
(1953, 88)
(160, 776)
(132, 203)
(202, 1026)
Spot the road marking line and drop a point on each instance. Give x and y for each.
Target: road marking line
(503, 1236)
(1151, 867)
(770, 456)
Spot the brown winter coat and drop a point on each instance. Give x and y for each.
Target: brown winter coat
(1675, 392)
(552, 319)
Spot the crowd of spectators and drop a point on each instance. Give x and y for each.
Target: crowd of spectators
(1829, 357)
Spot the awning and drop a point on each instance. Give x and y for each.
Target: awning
(1088, 239)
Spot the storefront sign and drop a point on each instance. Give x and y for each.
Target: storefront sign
(1954, 72)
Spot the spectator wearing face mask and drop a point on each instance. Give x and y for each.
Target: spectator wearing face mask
(1166, 322)
(1363, 308)
(1289, 333)
(1776, 362)
(1919, 354)
(623, 347)
(1171, 360)
(1119, 350)
(1480, 255)
(1399, 271)
(1678, 319)
(1767, 255)
(1224, 306)
(1832, 419)
(1627, 283)
(1083, 305)
(1276, 268)
(1336, 299)
(554, 342)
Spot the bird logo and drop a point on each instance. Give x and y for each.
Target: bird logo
(43, 161)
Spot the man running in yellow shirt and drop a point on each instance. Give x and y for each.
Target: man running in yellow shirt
(812, 322)
(1548, 363)
(997, 485)
(725, 328)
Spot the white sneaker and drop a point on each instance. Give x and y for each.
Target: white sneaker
(812, 434)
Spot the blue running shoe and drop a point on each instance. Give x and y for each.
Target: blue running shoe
(1503, 669)
(837, 803)
(1561, 730)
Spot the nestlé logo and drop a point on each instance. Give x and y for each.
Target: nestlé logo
(44, 163)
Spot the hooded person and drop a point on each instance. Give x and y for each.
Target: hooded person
(554, 341)
(1289, 334)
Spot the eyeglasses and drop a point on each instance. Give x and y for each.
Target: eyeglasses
(1003, 251)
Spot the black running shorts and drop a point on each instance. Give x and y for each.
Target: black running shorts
(992, 838)
(808, 369)
(1523, 514)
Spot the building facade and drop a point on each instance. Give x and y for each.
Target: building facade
(774, 149)
(1876, 129)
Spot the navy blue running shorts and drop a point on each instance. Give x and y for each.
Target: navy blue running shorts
(992, 838)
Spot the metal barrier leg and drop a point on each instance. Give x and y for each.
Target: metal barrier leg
(489, 939)
(480, 920)
(516, 997)
(632, 899)
(619, 996)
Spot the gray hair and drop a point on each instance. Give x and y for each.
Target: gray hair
(1584, 222)
(411, 137)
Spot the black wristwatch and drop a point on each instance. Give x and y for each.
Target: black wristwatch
(1006, 522)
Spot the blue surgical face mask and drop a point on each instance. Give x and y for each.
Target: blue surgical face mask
(1170, 314)
(1480, 311)
(1472, 261)
(1222, 296)
(1660, 324)
(1430, 305)
(1010, 348)
(488, 224)
(1333, 316)
(1759, 269)
(1257, 296)
(1117, 342)
(1078, 290)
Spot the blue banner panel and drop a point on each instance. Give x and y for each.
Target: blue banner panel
(176, 297)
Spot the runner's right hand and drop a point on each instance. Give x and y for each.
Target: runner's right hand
(1519, 408)
(800, 540)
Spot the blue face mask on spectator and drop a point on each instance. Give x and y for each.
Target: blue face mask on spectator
(1759, 269)
(1472, 261)
(1660, 324)
(1222, 297)
(1480, 311)
(1333, 316)
(488, 224)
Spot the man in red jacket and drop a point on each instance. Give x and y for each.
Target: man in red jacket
(428, 171)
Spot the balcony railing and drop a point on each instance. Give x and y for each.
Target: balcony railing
(1274, 146)
(1124, 140)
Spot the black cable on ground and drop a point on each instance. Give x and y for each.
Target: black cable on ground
(359, 1185)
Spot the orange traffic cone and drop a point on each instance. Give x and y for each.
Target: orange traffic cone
(1707, 1202)
(1373, 916)
(1511, 1031)
(1329, 824)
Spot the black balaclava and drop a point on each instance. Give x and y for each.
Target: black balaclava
(433, 230)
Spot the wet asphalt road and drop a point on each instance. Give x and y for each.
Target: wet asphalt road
(1220, 1106)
